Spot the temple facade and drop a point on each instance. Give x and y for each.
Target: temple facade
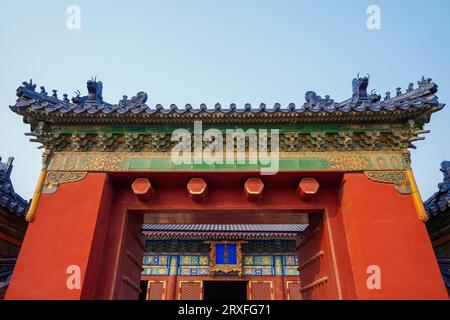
(195, 262)
(116, 177)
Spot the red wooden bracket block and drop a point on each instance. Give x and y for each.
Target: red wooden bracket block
(307, 188)
(253, 189)
(197, 188)
(143, 189)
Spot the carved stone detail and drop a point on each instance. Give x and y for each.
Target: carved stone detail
(134, 141)
(344, 141)
(317, 141)
(159, 142)
(80, 141)
(290, 141)
(370, 140)
(50, 140)
(398, 140)
(106, 141)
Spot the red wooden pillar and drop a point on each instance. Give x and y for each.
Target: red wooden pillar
(69, 230)
(171, 288)
(383, 231)
(278, 283)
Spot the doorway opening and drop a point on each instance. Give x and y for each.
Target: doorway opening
(225, 290)
(171, 239)
(143, 293)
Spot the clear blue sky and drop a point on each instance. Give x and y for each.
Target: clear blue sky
(233, 51)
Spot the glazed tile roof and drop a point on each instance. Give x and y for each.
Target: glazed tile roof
(439, 203)
(217, 235)
(225, 231)
(10, 200)
(227, 227)
(362, 105)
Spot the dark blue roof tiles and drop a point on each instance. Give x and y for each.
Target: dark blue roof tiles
(10, 200)
(345, 107)
(439, 203)
(287, 228)
(376, 107)
(93, 103)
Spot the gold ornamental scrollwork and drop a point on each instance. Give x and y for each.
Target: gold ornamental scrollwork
(225, 268)
(54, 179)
(121, 161)
(398, 178)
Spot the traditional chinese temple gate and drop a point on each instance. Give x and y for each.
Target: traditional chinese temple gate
(344, 170)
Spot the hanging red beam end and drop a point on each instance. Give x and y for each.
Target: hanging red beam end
(253, 189)
(143, 189)
(307, 188)
(198, 189)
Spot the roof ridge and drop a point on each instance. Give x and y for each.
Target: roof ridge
(93, 102)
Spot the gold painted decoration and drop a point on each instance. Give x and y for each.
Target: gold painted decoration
(418, 203)
(54, 179)
(398, 178)
(338, 161)
(39, 188)
(89, 161)
(225, 256)
(31, 214)
(345, 161)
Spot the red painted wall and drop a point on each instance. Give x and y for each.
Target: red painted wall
(382, 228)
(369, 223)
(130, 265)
(69, 229)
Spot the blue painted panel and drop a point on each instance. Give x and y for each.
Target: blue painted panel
(226, 254)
